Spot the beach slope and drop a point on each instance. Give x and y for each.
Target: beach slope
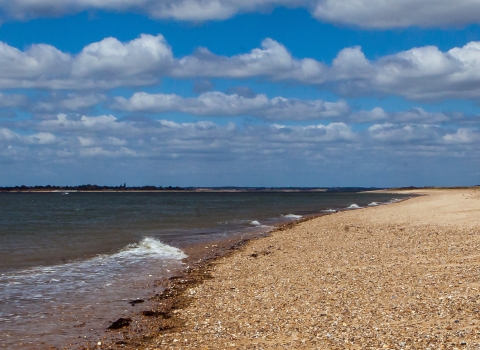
(405, 275)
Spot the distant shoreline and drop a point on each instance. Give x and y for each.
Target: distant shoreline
(79, 189)
(153, 189)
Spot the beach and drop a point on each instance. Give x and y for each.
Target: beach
(78, 261)
(404, 275)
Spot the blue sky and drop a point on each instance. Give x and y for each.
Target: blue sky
(245, 93)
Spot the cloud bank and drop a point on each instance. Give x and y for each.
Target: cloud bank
(85, 135)
(423, 73)
(204, 152)
(363, 13)
(220, 104)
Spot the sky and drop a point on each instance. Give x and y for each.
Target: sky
(314, 93)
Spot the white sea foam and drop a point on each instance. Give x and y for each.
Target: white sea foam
(150, 247)
(394, 200)
(255, 223)
(329, 211)
(106, 281)
(373, 204)
(354, 206)
(99, 268)
(292, 216)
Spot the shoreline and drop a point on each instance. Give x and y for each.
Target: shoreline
(84, 322)
(401, 276)
(160, 319)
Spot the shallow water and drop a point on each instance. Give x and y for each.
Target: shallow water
(70, 263)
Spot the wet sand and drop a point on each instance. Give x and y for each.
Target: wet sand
(406, 275)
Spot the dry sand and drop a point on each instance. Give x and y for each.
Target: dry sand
(406, 275)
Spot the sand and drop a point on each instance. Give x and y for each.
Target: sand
(400, 276)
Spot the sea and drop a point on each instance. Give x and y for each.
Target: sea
(71, 262)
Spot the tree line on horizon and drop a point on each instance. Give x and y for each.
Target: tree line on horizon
(89, 187)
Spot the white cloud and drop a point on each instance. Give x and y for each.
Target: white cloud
(186, 10)
(220, 104)
(107, 136)
(40, 138)
(98, 123)
(399, 13)
(7, 135)
(110, 60)
(423, 73)
(71, 102)
(74, 145)
(102, 65)
(362, 13)
(410, 133)
(414, 115)
(463, 136)
(147, 139)
(333, 132)
(271, 60)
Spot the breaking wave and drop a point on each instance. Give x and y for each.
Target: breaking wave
(292, 216)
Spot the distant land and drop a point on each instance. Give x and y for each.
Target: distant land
(125, 188)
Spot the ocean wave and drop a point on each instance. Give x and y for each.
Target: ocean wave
(292, 216)
(106, 264)
(255, 223)
(394, 200)
(151, 247)
(373, 204)
(329, 211)
(56, 292)
(354, 206)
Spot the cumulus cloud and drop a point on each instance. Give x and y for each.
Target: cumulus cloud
(427, 73)
(410, 133)
(398, 14)
(332, 132)
(110, 63)
(162, 147)
(414, 115)
(220, 104)
(272, 60)
(423, 73)
(463, 136)
(70, 102)
(184, 10)
(362, 13)
(107, 136)
(105, 64)
(110, 133)
(40, 138)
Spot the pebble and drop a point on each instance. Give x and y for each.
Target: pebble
(328, 292)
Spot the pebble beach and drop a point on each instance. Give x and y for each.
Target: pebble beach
(399, 276)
